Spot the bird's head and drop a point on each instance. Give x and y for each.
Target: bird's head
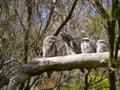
(100, 41)
(67, 38)
(85, 40)
(49, 40)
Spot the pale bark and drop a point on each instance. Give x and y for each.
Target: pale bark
(60, 63)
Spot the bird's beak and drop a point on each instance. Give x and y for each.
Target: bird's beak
(65, 37)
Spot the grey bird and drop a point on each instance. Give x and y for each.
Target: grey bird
(101, 46)
(87, 46)
(71, 47)
(49, 48)
(70, 44)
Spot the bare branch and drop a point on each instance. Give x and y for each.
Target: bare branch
(41, 65)
(67, 18)
(100, 9)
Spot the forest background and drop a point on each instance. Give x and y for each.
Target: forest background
(25, 23)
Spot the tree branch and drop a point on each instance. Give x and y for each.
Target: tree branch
(100, 9)
(67, 18)
(41, 65)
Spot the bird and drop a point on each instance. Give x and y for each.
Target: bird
(49, 49)
(70, 44)
(87, 46)
(71, 48)
(101, 46)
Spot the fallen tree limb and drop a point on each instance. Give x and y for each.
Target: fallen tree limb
(41, 65)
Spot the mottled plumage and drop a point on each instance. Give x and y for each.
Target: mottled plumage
(101, 46)
(70, 44)
(71, 48)
(87, 46)
(49, 48)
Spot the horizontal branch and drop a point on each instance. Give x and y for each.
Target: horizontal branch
(60, 63)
